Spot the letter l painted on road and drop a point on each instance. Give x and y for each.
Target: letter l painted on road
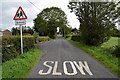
(55, 69)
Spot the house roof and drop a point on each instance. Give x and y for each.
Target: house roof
(6, 30)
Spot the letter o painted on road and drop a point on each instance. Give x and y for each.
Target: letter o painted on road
(66, 70)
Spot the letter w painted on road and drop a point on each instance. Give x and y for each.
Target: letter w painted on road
(81, 66)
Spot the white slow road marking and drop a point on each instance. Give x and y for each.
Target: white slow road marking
(81, 67)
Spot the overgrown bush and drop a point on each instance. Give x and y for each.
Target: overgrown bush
(43, 39)
(40, 38)
(11, 46)
(117, 35)
(67, 36)
(117, 51)
(52, 36)
(75, 38)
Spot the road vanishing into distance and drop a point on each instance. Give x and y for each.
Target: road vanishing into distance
(62, 59)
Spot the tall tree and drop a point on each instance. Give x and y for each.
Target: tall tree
(96, 19)
(48, 20)
(15, 31)
(29, 30)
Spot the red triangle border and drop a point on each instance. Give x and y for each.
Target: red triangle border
(23, 13)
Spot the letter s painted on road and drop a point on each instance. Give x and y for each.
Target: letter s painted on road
(49, 70)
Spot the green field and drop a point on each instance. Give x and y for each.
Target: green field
(21, 66)
(113, 41)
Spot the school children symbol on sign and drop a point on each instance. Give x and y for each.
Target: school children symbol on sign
(20, 15)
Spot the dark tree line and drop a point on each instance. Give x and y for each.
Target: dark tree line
(25, 30)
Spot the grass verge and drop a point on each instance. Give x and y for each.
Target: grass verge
(113, 41)
(101, 55)
(21, 66)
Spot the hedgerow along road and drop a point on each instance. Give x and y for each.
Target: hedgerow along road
(62, 59)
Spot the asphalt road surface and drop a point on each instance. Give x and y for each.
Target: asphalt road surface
(62, 59)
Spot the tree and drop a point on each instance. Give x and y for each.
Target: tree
(40, 26)
(25, 30)
(15, 31)
(96, 20)
(75, 31)
(68, 30)
(116, 32)
(29, 30)
(48, 20)
(63, 30)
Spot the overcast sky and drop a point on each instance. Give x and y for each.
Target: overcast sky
(9, 8)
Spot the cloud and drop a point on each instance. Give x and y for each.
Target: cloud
(9, 8)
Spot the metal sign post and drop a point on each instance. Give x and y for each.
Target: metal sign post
(21, 39)
(19, 18)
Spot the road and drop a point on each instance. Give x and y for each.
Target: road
(62, 59)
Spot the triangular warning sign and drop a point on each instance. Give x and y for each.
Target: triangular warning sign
(20, 15)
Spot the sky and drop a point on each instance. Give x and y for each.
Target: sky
(8, 8)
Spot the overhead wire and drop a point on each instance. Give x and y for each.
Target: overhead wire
(34, 5)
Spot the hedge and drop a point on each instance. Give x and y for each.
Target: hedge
(43, 39)
(52, 36)
(75, 38)
(116, 35)
(67, 36)
(11, 46)
(20, 67)
(117, 51)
